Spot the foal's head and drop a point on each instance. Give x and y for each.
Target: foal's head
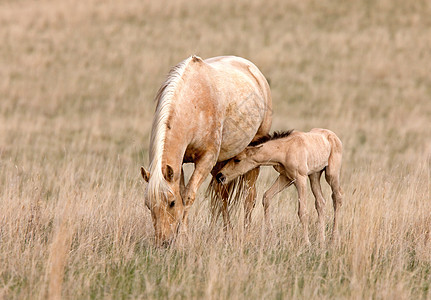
(165, 203)
(239, 165)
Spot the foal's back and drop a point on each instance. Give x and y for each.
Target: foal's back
(309, 152)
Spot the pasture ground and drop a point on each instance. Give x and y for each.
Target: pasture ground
(77, 80)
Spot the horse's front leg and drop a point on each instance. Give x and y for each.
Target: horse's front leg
(203, 167)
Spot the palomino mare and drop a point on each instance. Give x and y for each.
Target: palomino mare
(207, 112)
(295, 155)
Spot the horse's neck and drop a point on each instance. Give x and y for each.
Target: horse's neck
(175, 146)
(183, 122)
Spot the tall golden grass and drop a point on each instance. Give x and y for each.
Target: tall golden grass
(77, 81)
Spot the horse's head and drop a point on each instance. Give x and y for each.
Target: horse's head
(163, 199)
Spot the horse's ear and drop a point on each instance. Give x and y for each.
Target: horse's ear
(145, 174)
(169, 173)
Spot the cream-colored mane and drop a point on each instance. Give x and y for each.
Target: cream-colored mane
(157, 183)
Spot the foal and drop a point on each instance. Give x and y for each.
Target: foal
(295, 155)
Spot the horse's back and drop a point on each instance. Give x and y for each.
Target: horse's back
(235, 62)
(234, 66)
(244, 94)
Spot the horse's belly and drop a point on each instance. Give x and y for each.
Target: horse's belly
(240, 127)
(235, 143)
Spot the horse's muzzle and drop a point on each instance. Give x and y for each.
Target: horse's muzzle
(221, 178)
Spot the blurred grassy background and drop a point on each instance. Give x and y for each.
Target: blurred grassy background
(77, 80)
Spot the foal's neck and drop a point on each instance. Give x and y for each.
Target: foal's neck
(265, 155)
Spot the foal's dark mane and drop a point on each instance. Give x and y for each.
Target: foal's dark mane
(271, 136)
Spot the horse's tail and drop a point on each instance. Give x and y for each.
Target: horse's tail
(227, 196)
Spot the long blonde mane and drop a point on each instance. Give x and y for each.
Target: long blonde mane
(157, 184)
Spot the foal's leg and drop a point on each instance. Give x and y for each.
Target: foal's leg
(250, 200)
(280, 184)
(332, 176)
(301, 187)
(320, 202)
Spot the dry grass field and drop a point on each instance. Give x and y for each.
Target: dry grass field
(77, 82)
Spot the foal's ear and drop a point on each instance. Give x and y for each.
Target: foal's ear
(145, 174)
(169, 173)
(250, 150)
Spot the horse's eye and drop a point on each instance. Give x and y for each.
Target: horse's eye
(236, 160)
(172, 204)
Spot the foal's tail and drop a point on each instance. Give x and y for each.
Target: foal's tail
(227, 196)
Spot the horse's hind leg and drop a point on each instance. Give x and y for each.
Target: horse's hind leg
(250, 200)
(332, 176)
(320, 202)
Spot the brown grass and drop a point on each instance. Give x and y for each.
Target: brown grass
(77, 81)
